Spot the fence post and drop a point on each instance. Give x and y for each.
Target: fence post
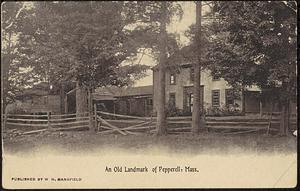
(91, 120)
(260, 109)
(95, 116)
(48, 120)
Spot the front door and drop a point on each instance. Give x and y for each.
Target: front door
(189, 98)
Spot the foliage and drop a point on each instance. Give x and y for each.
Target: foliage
(171, 109)
(14, 73)
(88, 41)
(254, 43)
(94, 43)
(224, 110)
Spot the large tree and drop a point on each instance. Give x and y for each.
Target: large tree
(89, 43)
(84, 42)
(254, 43)
(196, 115)
(161, 111)
(162, 44)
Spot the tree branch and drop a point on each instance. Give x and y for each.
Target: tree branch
(208, 4)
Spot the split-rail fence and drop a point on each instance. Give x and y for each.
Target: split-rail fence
(107, 123)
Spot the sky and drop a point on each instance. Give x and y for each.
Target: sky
(189, 17)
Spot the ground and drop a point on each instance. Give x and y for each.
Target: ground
(72, 142)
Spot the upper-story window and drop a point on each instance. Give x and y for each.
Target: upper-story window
(216, 77)
(192, 73)
(172, 79)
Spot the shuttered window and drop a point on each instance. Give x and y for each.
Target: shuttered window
(229, 97)
(215, 98)
(192, 73)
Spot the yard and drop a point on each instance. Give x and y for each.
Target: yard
(223, 160)
(72, 142)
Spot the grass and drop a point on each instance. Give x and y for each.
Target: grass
(73, 142)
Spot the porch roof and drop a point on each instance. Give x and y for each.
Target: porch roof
(112, 93)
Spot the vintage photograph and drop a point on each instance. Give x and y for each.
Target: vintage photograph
(149, 94)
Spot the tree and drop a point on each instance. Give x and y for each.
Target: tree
(197, 74)
(161, 111)
(83, 42)
(13, 71)
(254, 43)
(92, 43)
(157, 16)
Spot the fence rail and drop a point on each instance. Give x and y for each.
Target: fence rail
(112, 123)
(33, 123)
(105, 123)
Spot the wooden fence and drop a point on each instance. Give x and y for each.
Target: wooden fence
(124, 124)
(28, 124)
(106, 123)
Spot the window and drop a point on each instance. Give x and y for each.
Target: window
(215, 77)
(215, 98)
(172, 98)
(172, 79)
(229, 97)
(192, 75)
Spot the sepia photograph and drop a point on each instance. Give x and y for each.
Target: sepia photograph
(149, 94)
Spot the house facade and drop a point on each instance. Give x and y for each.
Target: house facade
(215, 91)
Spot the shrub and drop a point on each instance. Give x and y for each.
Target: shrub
(224, 110)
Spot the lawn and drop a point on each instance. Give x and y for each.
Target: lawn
(72, 142)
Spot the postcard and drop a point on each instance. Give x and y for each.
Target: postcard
(149, 94)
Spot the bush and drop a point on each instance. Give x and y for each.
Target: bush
(224, 110)
(171, 110)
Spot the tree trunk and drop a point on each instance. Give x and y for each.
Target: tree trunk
(62, 98)
(287, 119)
(196, 115)
(90, 106)
(284, 118)
(285, 107)
(161, 113)
(81, 100)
